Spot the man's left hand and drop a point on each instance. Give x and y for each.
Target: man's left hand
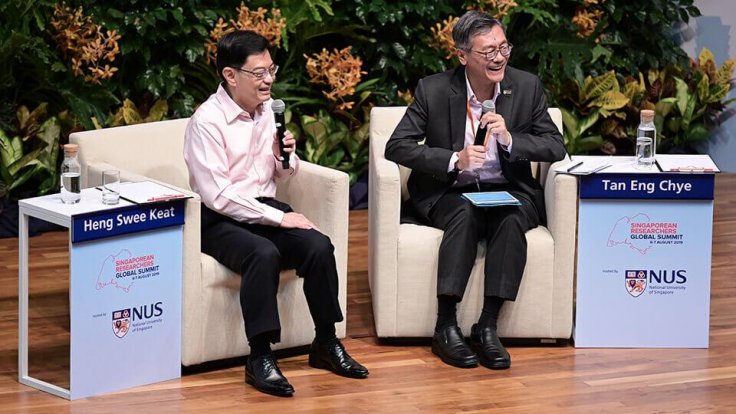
(289, 144)
(496, 125)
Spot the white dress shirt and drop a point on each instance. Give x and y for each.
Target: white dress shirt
(490, 171)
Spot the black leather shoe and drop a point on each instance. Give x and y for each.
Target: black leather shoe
(490, 350)
(449, 344)
(263, 373)
(333, 357)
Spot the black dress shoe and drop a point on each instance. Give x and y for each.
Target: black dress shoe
(449, 344)
(263, 373)
(490, 350)
(333, 357)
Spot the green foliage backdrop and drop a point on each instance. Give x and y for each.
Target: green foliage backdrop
(146, 61)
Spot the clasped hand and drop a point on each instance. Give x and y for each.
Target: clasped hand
(473, 156)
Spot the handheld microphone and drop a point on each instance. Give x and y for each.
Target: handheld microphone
(278, 106)
(480, 135)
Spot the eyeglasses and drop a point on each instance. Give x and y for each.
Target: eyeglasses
(505, 51)
(261, 73)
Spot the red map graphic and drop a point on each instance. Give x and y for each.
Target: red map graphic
(106, 276)
(621, 233)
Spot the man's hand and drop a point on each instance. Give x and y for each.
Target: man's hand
(289, 144)
(297, 221)
(496, 125)
(471, 157)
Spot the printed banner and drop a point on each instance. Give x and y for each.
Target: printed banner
(131, 219)
(648, 186)
(125, 311)
(643, 277)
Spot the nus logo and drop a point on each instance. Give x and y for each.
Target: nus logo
(147, 311)
(668, 276)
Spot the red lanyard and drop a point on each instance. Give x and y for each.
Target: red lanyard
(470, 116)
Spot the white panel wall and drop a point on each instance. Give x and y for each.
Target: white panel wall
(716, 30)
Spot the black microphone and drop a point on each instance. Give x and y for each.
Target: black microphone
(278, 106)
(480, 135)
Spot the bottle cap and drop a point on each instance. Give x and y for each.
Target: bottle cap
(71, 149)
(647, 115)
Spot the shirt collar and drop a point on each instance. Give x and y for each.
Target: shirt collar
(231, 109)
(471, 95)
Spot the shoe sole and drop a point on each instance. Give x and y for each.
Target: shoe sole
(251, 381)
(495, 365)
(315, 363)
(454, 362)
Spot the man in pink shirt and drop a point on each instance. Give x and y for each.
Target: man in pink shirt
(233, 157)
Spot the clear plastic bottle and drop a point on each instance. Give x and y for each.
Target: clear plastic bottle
(70, 175)
(647, 129)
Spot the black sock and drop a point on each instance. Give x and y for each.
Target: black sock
(491, 309)
(259, 345)
(325, 333)
(446, 312)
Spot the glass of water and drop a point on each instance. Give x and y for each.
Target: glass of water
(110, 187)
(644, 153)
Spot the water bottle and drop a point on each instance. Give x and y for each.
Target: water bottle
(70, 175)
(647, 129)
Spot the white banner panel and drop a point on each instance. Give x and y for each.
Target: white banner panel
(643, 276)
(125, 311)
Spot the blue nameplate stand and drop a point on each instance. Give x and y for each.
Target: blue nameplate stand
(124, 292)
(644, 258)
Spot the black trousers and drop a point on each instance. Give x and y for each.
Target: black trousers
(259, 253)
(465, 225)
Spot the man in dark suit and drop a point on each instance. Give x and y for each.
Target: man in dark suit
(446, 113)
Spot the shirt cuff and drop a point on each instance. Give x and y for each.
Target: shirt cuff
(508, 148)
(453, 160)
(272, 216)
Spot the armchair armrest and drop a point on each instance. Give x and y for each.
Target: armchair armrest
(322, 195)
(561, 194)
(384, 213)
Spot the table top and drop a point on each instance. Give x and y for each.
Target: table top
(51, 208)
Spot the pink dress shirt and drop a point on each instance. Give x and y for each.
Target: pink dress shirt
(230, 160)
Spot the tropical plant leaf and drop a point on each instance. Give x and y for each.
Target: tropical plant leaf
(130, 113)
(590, 143)
(158, 110)
(588, 122)
(24, 161)
(703, 88)
(681, 94)
(705, 58)
(723, 77)
(611, 100)
(594, 87)
(49, 133)
(718, 93)
(570, 122)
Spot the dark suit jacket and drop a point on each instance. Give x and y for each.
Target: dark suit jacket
(438, 114)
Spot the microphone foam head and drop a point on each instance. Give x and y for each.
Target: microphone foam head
(278, 106)
(489, 106)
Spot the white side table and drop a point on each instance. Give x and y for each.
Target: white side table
(124, 292)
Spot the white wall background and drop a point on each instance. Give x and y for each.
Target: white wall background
(716, 30)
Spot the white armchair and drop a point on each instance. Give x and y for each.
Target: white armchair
(403, 257)
(212, 323)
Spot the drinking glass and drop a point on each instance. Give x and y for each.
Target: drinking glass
(110, 187)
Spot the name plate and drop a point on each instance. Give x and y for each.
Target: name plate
(649, 186)
(126, 220)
